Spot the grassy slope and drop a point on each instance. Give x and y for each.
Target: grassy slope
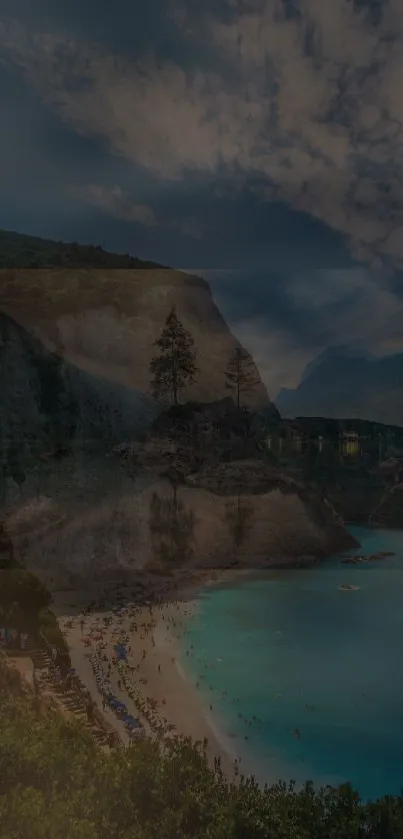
(17, 250)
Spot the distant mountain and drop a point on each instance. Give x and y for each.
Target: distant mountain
(341, 383)
(332, 356)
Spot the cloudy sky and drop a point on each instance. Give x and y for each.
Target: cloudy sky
(258, 143)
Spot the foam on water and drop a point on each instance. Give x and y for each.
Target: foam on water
(288, 650)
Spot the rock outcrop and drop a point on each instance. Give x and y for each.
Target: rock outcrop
(187, 437)
(389, 511)
(95, 523)
(314, 524)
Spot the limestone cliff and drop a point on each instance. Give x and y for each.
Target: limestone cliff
(98, 524)
(105, 321)
(48, 406)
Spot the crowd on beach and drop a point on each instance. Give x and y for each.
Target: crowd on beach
(108, 631)
(105, 634)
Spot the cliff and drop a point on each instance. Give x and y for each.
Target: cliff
(105, 319)
(49, 407)
(389, 511)
(83, 533)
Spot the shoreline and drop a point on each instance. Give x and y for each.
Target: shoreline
(152, 624)
(198, 723)
(149, 616)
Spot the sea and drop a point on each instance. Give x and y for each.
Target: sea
(304, 680)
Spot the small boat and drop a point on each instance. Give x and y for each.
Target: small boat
(355, 560)
(348, 587)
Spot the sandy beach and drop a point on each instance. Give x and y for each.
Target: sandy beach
(151, 683)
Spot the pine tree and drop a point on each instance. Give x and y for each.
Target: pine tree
(240, 374)
(174, 367)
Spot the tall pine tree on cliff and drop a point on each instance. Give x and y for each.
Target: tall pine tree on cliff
(240, 374)
(174, 367)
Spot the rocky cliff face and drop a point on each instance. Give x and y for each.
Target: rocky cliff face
(389, 511)
(150, 524)
(48, 406)
(315, 529)
(105, 321)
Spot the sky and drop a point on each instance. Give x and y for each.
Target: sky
(257, 143)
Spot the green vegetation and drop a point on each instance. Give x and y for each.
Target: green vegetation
(20, 251)
(24, 605)
(174, 367)
(56, 784)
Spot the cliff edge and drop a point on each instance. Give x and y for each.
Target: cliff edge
(105, 319)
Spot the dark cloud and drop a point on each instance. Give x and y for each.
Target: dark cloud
(310, 103)
(264, 136)
(287, 319)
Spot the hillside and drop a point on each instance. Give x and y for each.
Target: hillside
(105, 318)
(56, 782)
(341, 384)
(17, 250)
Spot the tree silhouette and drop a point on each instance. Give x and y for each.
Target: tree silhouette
(240, 373)
(174, 367)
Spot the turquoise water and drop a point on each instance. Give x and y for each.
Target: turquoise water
(281, 641)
